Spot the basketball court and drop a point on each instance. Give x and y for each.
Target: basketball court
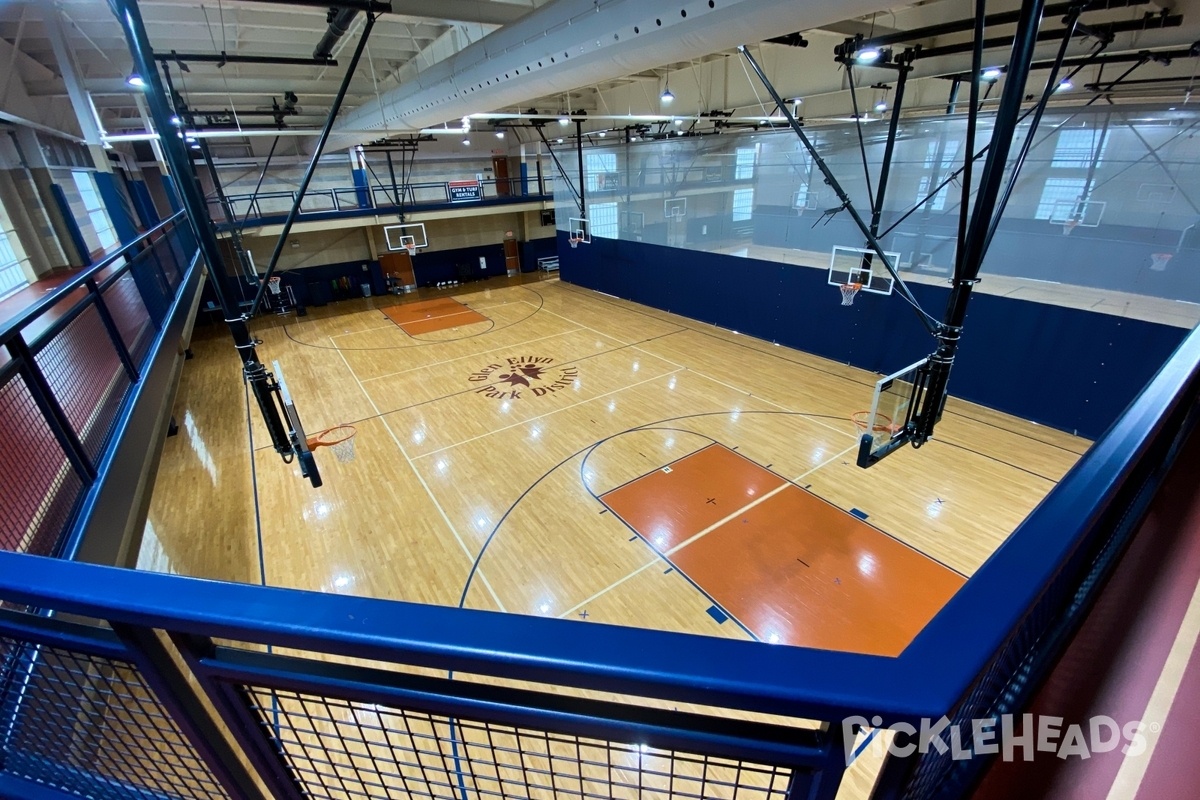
(532, 447)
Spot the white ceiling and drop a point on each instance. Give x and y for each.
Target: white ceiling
(433, 52)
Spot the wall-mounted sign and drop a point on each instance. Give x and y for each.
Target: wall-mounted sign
(465, 191)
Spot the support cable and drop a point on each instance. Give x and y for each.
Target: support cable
(570, 185)
(312, 164)
(983, 151)
(862, 146)
(930, 322)
(1071, 21)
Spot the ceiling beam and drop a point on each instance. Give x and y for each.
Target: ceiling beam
(487, 13)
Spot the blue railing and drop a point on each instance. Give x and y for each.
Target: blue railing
(69, 364)
(364, 199)
(132, 684)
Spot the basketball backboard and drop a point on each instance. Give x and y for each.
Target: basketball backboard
(926, 252)
(397, 235)
(675, 208)
(887, 425)
(299, 440)
(1077, 213)
(632, 223)
(856, 265)
(805, 199)
(579, 230)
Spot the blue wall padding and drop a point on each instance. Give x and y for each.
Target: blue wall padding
(1071, 369)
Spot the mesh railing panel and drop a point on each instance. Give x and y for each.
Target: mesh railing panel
(341, 749)
(87, 377)
(39, 486)
(132, 319)
(1005, 682)
(89, 725)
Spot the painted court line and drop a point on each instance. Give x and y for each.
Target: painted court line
(1133, 768)
(413, 467)
(470, 355)
(364, 330)
(542, 416)
(709, 377)
(663, 557)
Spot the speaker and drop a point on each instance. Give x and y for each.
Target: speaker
(548, 217)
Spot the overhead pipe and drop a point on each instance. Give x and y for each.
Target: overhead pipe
(339, 25)
(223, 58)
(963, 25)
(1104, 32)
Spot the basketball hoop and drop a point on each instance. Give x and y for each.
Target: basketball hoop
(883, 423)
(412, 249)
(574, 241)
(339, 438)
(1158, 261)
(848, 292)
(273, 285)
(1069, 226)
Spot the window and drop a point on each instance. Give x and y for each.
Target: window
(1077, 147)
(949, 153)
(100, 223)
(743, 204)
(743, 165)
(938, 201)
(603, 219)
(1059, 197)
(597, 166)
(12, 258)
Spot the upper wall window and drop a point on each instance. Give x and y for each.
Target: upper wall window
(743, 165)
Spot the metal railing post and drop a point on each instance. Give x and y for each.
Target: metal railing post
(171, 686)
(111, 326)
(247, 731)
(53, 413)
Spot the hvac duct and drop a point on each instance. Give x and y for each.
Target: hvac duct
(571, 43)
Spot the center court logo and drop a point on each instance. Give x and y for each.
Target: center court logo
(1006, 736)
(523, 376)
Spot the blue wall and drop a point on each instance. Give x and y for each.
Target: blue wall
(321, 284)
(1071, 369)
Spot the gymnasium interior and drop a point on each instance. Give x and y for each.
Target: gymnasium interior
(599, 399)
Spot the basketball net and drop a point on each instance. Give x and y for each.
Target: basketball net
(574, 242)
(273, 285)
(1069, 226)
(848, 292)
(411, 248)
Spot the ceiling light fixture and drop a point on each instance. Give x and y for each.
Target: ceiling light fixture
(499, 134)
(991, 73)
(868, 56)
(1065, 86)
(602, 134)
(881, 106)
(667, 97)
(564, 121)
(136, 81)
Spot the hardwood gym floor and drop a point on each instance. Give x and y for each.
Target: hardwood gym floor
(579, 456)
(489, 457)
